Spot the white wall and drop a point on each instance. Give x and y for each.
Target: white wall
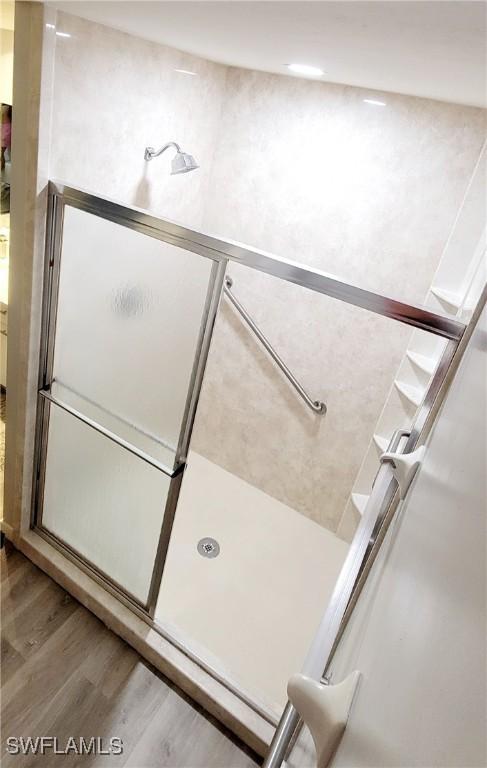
(418, 634)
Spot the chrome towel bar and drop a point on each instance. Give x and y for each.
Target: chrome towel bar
(316, 405)
(46, 395)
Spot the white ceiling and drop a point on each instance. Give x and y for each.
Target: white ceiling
(434, 49)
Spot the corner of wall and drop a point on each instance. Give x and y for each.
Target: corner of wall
(32, 100)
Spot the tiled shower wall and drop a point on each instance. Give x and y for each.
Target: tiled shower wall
(115, 94)
(311, 172)
(303, 169)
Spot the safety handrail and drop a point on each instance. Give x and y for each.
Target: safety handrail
(316, 405)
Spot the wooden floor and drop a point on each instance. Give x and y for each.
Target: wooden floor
(63, 674)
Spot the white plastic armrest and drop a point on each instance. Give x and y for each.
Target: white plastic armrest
(324, 709)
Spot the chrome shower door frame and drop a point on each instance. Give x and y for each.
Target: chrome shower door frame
(58, 198)
(221, 252)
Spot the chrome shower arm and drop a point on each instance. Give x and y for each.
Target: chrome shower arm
(150, 152)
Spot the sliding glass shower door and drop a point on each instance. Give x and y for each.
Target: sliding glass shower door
(130, 305)
(127, 322)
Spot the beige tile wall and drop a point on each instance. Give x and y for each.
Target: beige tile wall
(114, 95)
(309, 171)
(303, 169)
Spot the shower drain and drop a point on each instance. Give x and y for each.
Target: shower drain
(208, 547)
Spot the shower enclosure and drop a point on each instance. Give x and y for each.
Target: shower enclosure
(130, 302)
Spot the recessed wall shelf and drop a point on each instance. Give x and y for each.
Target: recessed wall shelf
(454, 300)
(359, 501)
(454, 291)
(423, 362)
(413, 394)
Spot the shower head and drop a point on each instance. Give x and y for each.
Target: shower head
(182, 162)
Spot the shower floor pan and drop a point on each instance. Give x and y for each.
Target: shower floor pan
(251, 611)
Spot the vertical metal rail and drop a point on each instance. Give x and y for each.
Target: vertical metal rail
(319, 654)
(203, 348)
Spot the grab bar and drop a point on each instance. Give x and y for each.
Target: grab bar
(316, 405)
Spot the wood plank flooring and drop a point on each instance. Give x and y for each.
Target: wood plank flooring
(64, 674)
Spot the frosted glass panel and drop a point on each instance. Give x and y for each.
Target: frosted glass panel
(103, 501)
(129, 316)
